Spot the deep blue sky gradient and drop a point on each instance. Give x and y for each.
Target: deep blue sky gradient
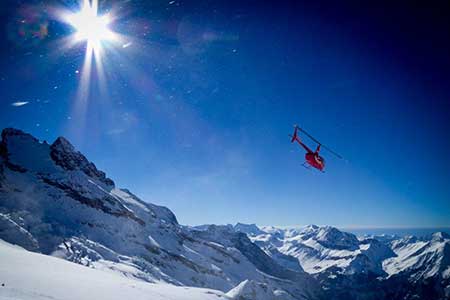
(197, 110)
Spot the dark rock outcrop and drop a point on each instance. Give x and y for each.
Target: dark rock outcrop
(65, 155)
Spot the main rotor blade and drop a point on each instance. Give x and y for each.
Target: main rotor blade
(310, 136)
(323, 146)
(333, 152)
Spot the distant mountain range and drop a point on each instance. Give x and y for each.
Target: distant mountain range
(378, 267)
(396, 231)
(56, 202)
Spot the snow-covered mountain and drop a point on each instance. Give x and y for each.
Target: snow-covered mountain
(249, 229)
(364, 268)
(420, 259)
(54, 201)
(320, 249)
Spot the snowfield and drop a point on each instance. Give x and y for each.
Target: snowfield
(32, 276)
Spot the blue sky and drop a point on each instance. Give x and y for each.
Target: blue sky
(195, 112)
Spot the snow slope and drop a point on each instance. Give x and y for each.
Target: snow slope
(420, 258)
(249, 290)
(32, 276)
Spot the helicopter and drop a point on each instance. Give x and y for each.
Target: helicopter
(312, 158)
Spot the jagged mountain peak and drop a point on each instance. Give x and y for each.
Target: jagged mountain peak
(24, 152)
(328, 236)
(440, 236)
(9, 131)
(334, 238)
(310, 227)
(251, 229)
(62, 144)
(9, 135)
(65, 155)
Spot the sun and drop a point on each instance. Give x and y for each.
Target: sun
(92, 29)
(90, 26)
(92, 34)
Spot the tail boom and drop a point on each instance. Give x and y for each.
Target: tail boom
(295, 138)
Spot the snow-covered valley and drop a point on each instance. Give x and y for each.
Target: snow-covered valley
(78, 236)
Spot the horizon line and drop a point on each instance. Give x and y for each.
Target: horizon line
(362, 226)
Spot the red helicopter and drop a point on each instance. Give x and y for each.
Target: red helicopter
(312, 158)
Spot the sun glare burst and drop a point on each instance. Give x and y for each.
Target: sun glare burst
(92, 29)
(90, 26)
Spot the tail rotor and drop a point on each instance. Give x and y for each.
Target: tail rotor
(295, 136)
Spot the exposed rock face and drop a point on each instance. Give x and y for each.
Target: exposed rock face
(7, 135)
(65, 155)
